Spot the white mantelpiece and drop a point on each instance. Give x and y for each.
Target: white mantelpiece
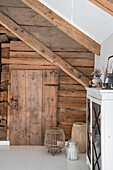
(104, 99)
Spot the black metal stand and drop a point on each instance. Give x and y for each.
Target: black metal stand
(53, 152)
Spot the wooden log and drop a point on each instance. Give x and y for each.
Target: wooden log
(5, 52)
(71, 87)
(3, 108)
(72, 93)
(74, 106)
(64, 55)
(3, 38)
(4, 85)
(3, 96)
(33, 67)
(64, 25)
(86, 70)
(71, 99)
(42, 49)
(71, 116)
(4, 76)
(26, 61)
(67, 80)
(19, 54)
(5, 45)
(40, 61)
(5, 68)
(21, 46)
(3, 133)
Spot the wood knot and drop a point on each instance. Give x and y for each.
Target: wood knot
(79, 76)
(43, 51)
(54, 56)
(15, 29)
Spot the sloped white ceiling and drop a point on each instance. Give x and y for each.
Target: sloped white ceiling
(87, 17)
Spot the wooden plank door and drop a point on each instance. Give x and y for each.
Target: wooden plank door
(33, 105)
(50, 94)
(18, 126)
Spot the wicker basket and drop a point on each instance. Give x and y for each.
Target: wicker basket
(79, 134)
(54, 139)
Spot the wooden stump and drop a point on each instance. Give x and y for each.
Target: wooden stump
(79, 134)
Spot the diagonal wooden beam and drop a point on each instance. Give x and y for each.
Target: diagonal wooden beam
(107, 6)
(64, 25)
(36, 45)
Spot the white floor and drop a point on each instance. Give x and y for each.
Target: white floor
(37, 158)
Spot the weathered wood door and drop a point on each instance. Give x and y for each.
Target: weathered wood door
(33, 105)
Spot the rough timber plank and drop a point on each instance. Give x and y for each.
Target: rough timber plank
(50, 94)
(72, 93)
(64, 55)
(12, 3)
(68, 118)
(42, 49)
(29, 17)
(32, 67)
(3, 38)
(61, 45)
(18, 124)
(5, 52)
(64, 25)
(34, 106)
(42, 61)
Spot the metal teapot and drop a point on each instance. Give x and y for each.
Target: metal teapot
(72, 150)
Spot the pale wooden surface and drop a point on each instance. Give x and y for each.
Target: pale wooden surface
(37, 158)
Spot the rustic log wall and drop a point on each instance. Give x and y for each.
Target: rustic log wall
(71, 95)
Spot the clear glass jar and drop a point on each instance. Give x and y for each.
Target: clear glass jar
(72, 150)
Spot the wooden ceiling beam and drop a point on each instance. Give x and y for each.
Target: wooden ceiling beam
(105, 5)
(63, 25)
(36, 45)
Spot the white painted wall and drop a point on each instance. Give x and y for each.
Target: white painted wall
(106, 51)
(91, 20)
(86, 16)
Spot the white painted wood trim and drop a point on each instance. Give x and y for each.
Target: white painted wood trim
(4, 143)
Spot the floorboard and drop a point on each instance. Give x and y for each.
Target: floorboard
(37, 158)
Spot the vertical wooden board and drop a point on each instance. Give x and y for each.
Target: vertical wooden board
(18, 116)
(50, 95)
(13, 117)
(34, 106)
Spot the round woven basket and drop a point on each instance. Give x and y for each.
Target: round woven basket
(79, 135)
(54, 139)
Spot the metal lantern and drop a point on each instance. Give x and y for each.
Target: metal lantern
(54, 140)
